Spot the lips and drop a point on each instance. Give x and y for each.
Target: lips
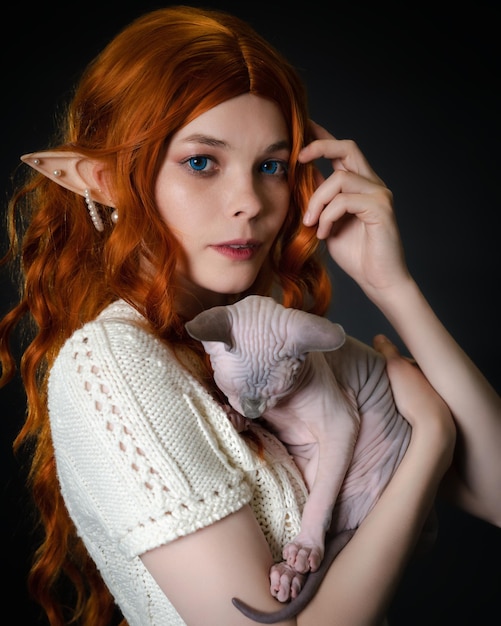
(238, 249)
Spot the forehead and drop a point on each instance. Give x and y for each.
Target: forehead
(244, 119)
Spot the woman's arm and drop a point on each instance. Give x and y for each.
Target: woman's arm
(353, 212)
(474, 482)
(201, 572)
(363, 578)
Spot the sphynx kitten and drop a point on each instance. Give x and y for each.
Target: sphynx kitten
(327, 397)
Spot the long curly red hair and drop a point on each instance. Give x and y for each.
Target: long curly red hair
(158, 74)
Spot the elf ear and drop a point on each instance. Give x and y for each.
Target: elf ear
(73, 171)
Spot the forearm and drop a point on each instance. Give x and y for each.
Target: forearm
(442, 360)
(362, 580)
(473, 401)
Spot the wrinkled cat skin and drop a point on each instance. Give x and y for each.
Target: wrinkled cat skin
(327, 397)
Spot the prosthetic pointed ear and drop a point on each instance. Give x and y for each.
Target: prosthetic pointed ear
(72, 171)
(313, 333)
(211, 325)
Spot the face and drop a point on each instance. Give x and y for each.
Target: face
(223, 191)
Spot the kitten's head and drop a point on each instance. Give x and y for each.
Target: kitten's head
(257, 349)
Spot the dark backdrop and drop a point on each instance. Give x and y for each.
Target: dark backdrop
(417, 88)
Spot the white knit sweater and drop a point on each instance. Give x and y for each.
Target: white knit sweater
(145, 455)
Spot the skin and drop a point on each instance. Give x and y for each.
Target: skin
(288, 381)
(375, 557)
(352, 211)
(224, 192)
(237, 202)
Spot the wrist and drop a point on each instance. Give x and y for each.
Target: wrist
(396, 294)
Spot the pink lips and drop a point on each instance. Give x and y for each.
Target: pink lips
(239, 249)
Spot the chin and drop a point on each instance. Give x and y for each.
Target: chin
(233, 287)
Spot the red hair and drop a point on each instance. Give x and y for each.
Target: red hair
(158, 74)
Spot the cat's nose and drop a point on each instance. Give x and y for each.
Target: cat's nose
(252, 408)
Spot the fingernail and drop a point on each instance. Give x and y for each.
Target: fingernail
(307, 218)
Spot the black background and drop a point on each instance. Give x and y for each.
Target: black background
(418, 88)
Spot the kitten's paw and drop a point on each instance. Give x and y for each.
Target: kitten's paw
(303, 557)
(285, 582)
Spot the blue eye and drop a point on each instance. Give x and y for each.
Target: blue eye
(274, 167)
(198, 163)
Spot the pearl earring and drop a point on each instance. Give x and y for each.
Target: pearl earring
(93, 212)
(114, 216)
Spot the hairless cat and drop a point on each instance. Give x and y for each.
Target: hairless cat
(327, 397)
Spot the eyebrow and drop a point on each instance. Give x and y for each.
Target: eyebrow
(207, 140)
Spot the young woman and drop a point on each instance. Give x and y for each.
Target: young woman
(185, 180)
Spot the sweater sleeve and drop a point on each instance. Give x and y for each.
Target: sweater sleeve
(141, 448)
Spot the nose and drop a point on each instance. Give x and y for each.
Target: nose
(252, 408)
(245, 198)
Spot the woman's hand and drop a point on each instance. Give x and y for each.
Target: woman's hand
(353, 211)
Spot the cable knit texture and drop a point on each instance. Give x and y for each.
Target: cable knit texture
(145, 455)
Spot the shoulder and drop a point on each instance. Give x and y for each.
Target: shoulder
(119, 338)
(116, 361)
(117, 327)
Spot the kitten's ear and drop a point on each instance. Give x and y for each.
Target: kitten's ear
(73, 171)
(313, 333)
(211, 325)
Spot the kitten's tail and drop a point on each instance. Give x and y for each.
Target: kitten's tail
(334, 545)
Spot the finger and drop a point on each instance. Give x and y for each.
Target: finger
(319, 132)
(342, 193)
(368, 209)
(386, 347)
(389, 350)
(340, 182)
(343, 154)
(338, 213)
